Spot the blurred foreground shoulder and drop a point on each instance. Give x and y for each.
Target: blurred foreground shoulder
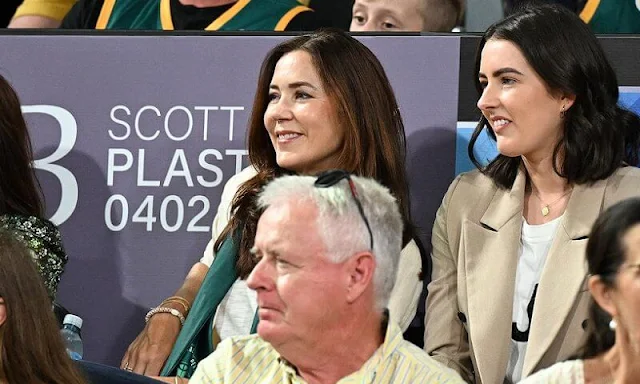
(566, 372)
(44, 241)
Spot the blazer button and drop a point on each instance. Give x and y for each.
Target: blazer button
(585, 323)
(462, 317)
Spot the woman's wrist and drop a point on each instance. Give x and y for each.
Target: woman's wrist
(172, 311)
(179, 301)
(174, 305)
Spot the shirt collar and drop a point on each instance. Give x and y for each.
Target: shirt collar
(367, 373)
(392, 339)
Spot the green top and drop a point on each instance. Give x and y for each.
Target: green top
(195, 341)
(43, 239)
(612, 16)
(244, 15)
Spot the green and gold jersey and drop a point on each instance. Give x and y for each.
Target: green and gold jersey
(612, 16)
(244, 15)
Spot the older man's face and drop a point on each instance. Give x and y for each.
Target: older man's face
(300, 292)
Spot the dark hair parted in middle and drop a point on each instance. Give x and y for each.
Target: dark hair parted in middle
(374, 139)
(598, 135)
(605, 256)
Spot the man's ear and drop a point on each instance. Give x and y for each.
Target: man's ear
(360, 269)
(601, 293)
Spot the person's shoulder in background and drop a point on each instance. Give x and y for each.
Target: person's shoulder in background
(83, 15)
(44, 241)
(40, 13)
(327, 13)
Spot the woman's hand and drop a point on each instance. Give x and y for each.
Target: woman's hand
(148, 352)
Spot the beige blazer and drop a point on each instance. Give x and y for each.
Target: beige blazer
(476, 243)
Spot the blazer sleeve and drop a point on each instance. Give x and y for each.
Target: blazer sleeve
(224, 211)
(405, 295)
(446, 338)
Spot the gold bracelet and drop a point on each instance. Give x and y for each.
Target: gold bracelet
(181, 299)
(178, 300)
(186, 309)
(171, 311)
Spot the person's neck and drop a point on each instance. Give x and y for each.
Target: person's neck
(543, 177)
(611, 359)
(206, 3)
(339, 353)
(602, 369)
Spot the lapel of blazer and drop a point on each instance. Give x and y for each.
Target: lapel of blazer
(564, 271)
(491, 250)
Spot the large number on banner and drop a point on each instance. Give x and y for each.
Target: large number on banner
(68, 182)
(148, 218)
(145, 213)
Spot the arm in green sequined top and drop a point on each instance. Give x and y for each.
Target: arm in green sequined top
(43, 239)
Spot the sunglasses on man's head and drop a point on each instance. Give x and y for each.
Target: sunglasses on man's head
(334, 176)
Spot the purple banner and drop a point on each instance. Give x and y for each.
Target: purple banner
(136, 136)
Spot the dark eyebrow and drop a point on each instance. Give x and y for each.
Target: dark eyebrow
(501, 72)
(297, 84)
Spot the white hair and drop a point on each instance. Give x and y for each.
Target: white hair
(341, 227)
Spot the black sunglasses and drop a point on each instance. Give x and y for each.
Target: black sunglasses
(332, 177)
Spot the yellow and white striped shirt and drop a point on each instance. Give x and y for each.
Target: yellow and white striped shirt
(251, 360)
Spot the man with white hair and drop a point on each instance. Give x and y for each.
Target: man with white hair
(327, 252)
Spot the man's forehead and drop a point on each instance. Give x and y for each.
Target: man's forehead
(290, 210)
(286, 218)
(374, 2)
(389, 6)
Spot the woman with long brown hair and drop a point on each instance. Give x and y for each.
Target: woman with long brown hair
(323, 101)
(31, 349)
(21, 204)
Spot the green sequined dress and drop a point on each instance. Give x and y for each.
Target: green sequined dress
(43, 239)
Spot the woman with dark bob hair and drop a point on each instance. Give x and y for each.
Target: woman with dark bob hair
(31, 350)
(21, 203)
(612, 350)
(508, 293)
(323, 101)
